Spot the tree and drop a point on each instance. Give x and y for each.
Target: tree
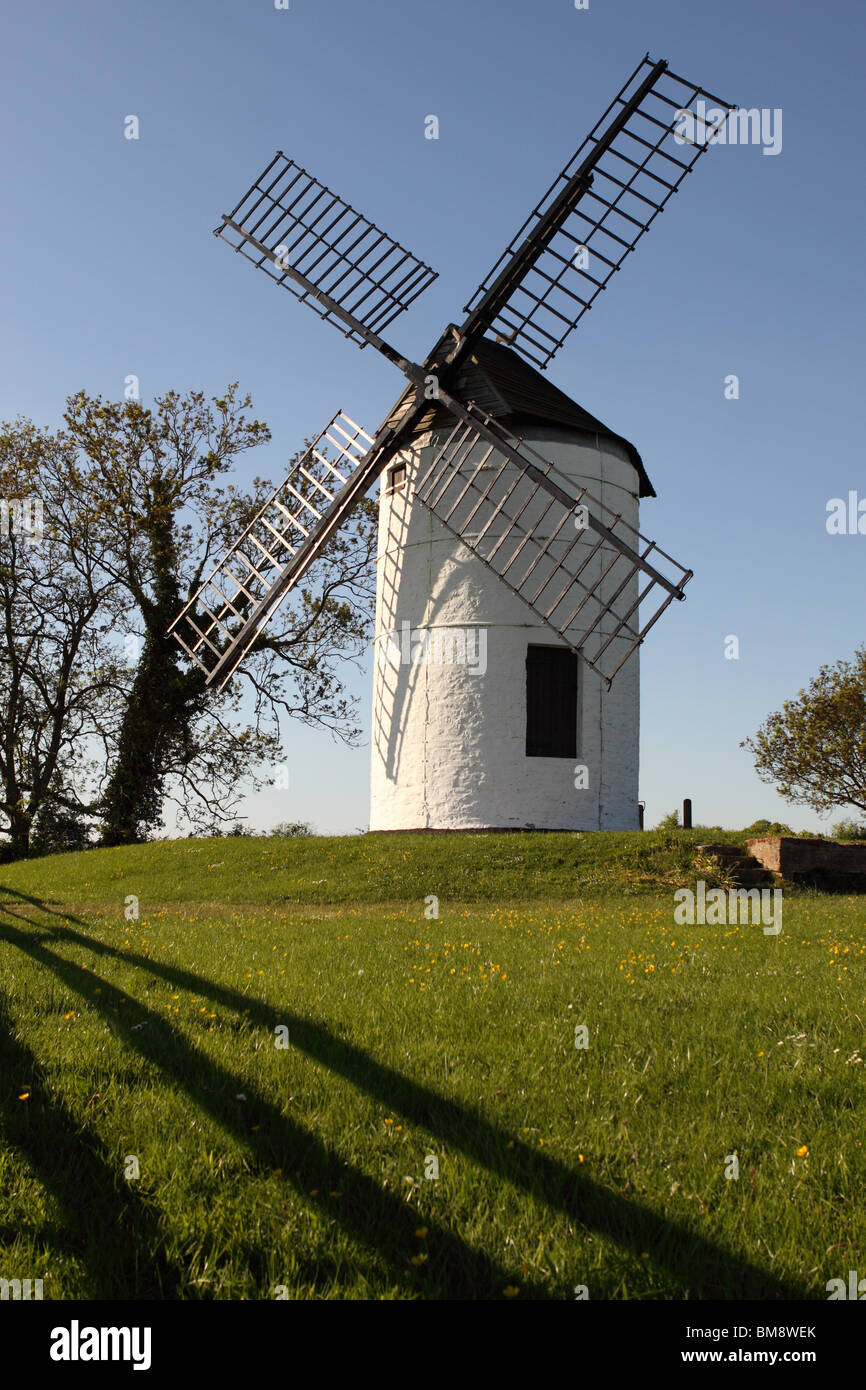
(152, 477)
(137, 470)
(143, 488)
(57, 830)
(814, 749)
(59, 682)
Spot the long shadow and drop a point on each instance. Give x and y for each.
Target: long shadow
(107, 1224)
(706, 1270)
(40, 903)
(370, 1214)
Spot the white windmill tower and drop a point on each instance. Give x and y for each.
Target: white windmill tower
(483, 715)
(513, 582)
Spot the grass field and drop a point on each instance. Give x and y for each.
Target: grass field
(302, 1169)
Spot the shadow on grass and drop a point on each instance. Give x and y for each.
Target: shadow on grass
(702, 1269)
(373, 1216)
(107, 1224)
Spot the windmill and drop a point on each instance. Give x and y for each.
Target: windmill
(507, 511)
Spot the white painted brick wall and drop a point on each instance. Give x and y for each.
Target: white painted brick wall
(448, 746)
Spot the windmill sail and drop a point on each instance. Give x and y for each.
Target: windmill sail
(314, 244)
(592, 216)
(590, 577)
(603, 581)
(225, 616)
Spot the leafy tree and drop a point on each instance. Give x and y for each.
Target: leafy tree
(59, 681)
(154, 477)
(136, 470)
(814, 749)
(57, 830)
(849, 829)
(137, 505)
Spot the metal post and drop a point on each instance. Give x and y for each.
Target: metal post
(687, 814)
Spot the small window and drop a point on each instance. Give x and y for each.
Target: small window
(551, 702)
(396, 477)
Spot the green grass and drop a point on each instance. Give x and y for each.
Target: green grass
(370, 868)
(410, 1037)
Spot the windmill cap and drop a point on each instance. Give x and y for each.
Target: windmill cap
(513, 387)
(504, 385)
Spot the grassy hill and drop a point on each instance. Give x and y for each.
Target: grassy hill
(283, 1079)
(372, 868)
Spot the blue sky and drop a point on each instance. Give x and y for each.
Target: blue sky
(756, 269)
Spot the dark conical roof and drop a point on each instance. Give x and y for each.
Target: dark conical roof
(505, 386)
(502, 383)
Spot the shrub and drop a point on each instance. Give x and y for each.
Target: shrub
(849, 830)
(760, 828)
(290, 830)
